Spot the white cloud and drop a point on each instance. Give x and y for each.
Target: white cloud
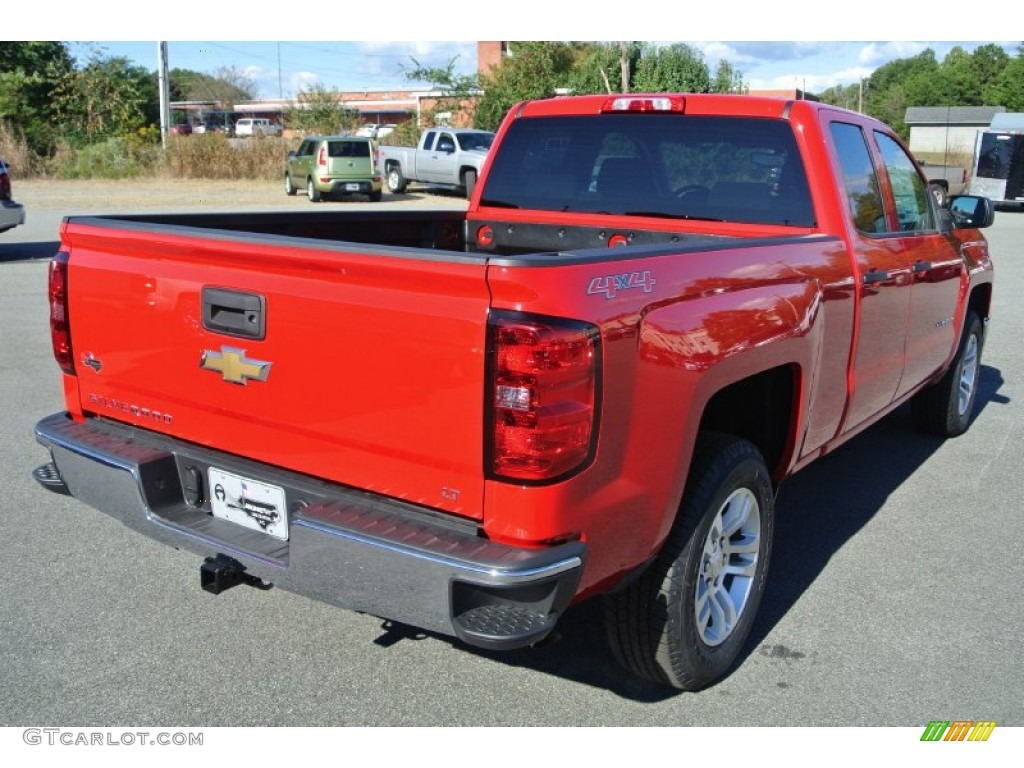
(875, 54)
(300, 80)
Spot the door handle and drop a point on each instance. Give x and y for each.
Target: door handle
(875, 276)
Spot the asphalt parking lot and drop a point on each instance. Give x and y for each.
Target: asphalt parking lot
(894, 597)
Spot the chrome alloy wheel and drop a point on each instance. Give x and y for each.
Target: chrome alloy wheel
(968, 375)
(727, 567)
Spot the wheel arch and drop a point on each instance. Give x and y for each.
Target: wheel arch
(980, 300)
(761, 408)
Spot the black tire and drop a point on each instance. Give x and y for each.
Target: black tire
(946, 407)
(396, 181)
(469, 182)
(312, 192)
(289, 185)
(652, 624)
(375, 197)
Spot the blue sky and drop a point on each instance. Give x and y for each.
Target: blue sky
(777, 44)
(283, 67)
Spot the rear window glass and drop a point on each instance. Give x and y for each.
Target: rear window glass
(480, 140)
(674, 166)
(348, 149)
(995, 155)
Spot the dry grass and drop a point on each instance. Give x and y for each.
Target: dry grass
(214, 156)
(15, 150)
(205, 156)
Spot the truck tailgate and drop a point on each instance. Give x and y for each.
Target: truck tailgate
(369, 370)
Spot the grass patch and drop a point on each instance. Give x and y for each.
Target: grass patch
(202, 156)
(214, 156)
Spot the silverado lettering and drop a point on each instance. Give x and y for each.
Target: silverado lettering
(458, 436)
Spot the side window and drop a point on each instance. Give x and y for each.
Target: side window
(428, 142)
(445, 143)
(859, 177)
(908, 188)
(305, 148)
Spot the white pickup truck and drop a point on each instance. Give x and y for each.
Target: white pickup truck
(445, 157)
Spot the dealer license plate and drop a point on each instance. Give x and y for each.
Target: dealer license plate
(351, 187)
(250, 503)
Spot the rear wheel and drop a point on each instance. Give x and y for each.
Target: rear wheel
(289, 185)
(684, 621)
(469, 182)
(396, 181)
(312, 192)
(945, 408)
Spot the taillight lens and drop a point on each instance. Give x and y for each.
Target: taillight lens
(322, 157)
(543, 392)
(60, 326)
(5, 186)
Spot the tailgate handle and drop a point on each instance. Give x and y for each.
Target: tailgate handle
(234, 313)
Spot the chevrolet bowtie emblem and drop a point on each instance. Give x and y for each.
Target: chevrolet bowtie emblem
(234, 366)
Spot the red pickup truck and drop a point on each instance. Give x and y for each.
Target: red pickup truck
(655, 310)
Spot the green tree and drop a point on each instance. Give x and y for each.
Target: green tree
(596, 68)
(226, 86)
(900, 84)
(458, 91)
(728, 79)
(320, 110)
(672, 68)
(108, 97)
(988, 63)
(534, 70)
(1008, 88)
(29, 73)
(845, 96)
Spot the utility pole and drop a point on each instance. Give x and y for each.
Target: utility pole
(280, 87)
(165, 92)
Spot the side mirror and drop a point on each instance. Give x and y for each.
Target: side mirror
(971, 212)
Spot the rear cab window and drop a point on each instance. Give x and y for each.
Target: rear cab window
(735, 169)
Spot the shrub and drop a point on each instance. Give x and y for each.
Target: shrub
(213, 156)
(114, 158)
(406, 134)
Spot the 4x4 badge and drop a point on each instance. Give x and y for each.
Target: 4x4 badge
(234, 366)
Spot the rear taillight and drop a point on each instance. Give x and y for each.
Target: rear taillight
(321, 158)
(60, 326)
(543, 397)
(5, 186)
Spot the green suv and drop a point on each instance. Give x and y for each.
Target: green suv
(334, 166)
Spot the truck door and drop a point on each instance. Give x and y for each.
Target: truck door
(438, 166)
(935, 262)
(883, 276)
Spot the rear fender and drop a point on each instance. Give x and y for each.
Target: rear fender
(696, 348)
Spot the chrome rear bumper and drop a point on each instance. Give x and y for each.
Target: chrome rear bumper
(346, 547)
